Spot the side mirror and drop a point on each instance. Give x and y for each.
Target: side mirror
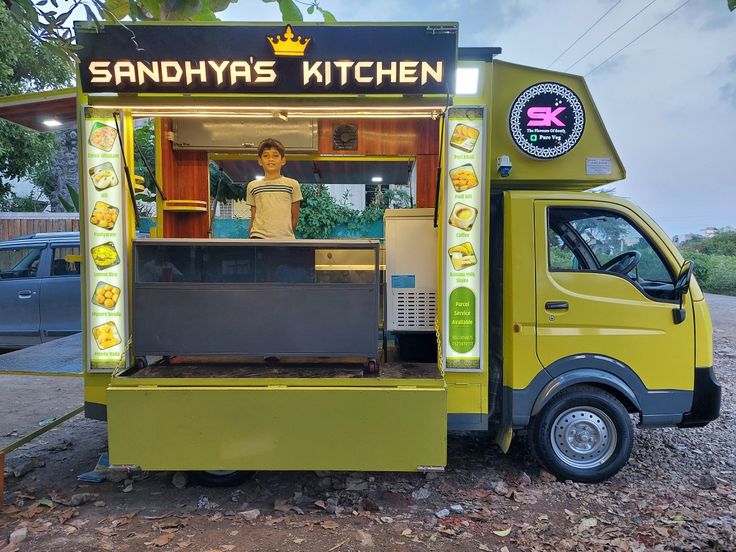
(682, 285)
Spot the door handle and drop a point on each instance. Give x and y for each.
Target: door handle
(556, 305)
(26, 294)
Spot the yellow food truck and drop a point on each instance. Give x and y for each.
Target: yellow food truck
(506, 299)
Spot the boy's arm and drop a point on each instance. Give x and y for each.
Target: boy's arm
(252, 219)
(295, 214)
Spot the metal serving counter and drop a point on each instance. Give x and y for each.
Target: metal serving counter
(256, 297)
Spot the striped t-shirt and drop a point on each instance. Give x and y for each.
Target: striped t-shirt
(272, 199)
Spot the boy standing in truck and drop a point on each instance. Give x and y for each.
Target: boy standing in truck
(275, 199)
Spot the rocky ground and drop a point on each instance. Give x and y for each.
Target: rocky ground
(677, 493)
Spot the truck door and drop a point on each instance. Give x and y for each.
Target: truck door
(605, 289)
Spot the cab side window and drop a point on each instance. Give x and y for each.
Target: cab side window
(598, 240)
(67, 261)
(19, 262)
(561, 256)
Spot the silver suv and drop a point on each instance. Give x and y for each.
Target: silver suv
(40, 288)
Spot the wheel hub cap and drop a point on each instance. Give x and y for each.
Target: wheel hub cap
(583, 437)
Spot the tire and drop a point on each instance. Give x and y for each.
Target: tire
(583, 434)
(221, 478)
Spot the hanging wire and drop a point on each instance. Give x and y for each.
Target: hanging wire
(610, 35)
(673, 12)
(585, 33)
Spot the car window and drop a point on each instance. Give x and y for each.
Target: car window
(19, 262)
(599, 240)
(67, 261)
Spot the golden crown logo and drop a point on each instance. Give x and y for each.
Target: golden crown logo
(287, 46)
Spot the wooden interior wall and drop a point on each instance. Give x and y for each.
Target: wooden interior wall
(185, 175)
(415, 137)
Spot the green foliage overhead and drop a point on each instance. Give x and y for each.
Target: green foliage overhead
(47, 22)
(732, 5)
(25, 66)
(289, 10)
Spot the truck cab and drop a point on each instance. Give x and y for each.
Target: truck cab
(601, 319)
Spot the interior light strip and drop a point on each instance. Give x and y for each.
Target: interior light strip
(204, 114)
(288, 109)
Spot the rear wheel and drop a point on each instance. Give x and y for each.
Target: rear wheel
(221, 478)
(584, 434)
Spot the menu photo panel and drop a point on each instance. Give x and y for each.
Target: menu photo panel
(105, 228)
(463, 238)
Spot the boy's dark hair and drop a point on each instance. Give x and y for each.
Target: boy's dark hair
(271, 143)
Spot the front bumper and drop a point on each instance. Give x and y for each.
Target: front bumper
(706, 399)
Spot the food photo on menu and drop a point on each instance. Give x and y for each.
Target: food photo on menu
(463, 216)
(104, 215)
(102, 136)
(462, 256)
(464, 137)
(106, 335)
(106, 295)
(104, 176)
(463, 177)
(105, 255)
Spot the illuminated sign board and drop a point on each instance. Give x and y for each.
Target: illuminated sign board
(104, 227)
(304, 59)
(463, 239)
(547, 120)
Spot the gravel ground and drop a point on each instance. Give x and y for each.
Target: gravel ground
(676, 493)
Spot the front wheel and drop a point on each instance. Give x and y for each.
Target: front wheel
(584, 434)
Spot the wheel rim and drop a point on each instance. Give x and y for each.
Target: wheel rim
(584, 438)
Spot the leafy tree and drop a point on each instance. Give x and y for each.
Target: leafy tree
(723, 242)
(48, 24)
(25, 66)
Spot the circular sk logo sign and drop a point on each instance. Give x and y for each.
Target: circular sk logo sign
(546, 120)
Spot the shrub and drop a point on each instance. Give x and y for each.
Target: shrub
(320, 213)
(715, 273)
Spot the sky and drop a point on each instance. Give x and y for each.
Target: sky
(668, 99)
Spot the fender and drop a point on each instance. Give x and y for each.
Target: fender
(582, 376)
(661, 407)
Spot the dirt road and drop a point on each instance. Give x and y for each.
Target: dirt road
(677, 493)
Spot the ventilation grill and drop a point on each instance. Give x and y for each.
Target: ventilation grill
(345, 137)
(414, 310)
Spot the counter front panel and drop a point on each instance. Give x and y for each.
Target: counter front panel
(255, 297)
